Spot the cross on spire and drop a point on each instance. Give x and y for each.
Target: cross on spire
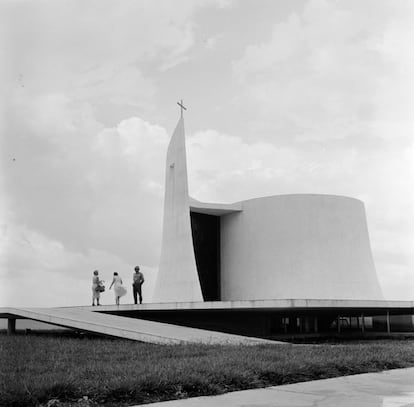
(182, 107)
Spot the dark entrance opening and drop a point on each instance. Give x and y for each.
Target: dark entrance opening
(206, 241)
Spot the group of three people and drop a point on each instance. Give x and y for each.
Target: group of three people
(119, 289)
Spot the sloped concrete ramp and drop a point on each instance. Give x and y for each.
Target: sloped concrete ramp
(128, 328)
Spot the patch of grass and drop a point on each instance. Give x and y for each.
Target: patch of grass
(35, 369)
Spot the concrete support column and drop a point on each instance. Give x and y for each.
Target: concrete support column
(362, 323)
(11, 326)
(388, 322)
(315, 324)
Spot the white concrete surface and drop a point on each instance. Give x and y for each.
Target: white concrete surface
(297, 246)
(216, 209)
(177, 278)
(130, 328)
(393, 388)
(374, 306)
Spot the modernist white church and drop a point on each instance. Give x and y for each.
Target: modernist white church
(277, 247)
(271, 267)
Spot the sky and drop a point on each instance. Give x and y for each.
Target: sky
(300, 96)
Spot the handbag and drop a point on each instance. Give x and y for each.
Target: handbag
(100, 288)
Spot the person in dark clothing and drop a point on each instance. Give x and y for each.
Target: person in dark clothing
(137, 281)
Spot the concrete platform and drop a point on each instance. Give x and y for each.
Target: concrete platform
(282, 319)
(393, 388)
(127, 328)
(375, 307)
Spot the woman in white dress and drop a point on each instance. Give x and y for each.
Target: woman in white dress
(119, 289)
(95, 283)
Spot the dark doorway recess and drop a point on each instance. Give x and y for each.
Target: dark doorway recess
(206, 240)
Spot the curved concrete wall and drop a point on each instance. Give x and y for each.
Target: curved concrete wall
(297, 246)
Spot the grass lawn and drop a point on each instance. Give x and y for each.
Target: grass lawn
(35, 369)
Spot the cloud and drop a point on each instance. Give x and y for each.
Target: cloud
(217, 161)
(86, 184)
(79, 197)
(332, 70)
(103, 56)
(178, 55)
(37, 271)
(211, 42)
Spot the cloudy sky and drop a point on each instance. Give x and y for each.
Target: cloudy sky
(299, 96)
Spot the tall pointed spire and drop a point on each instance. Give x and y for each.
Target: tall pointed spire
(177, 276)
